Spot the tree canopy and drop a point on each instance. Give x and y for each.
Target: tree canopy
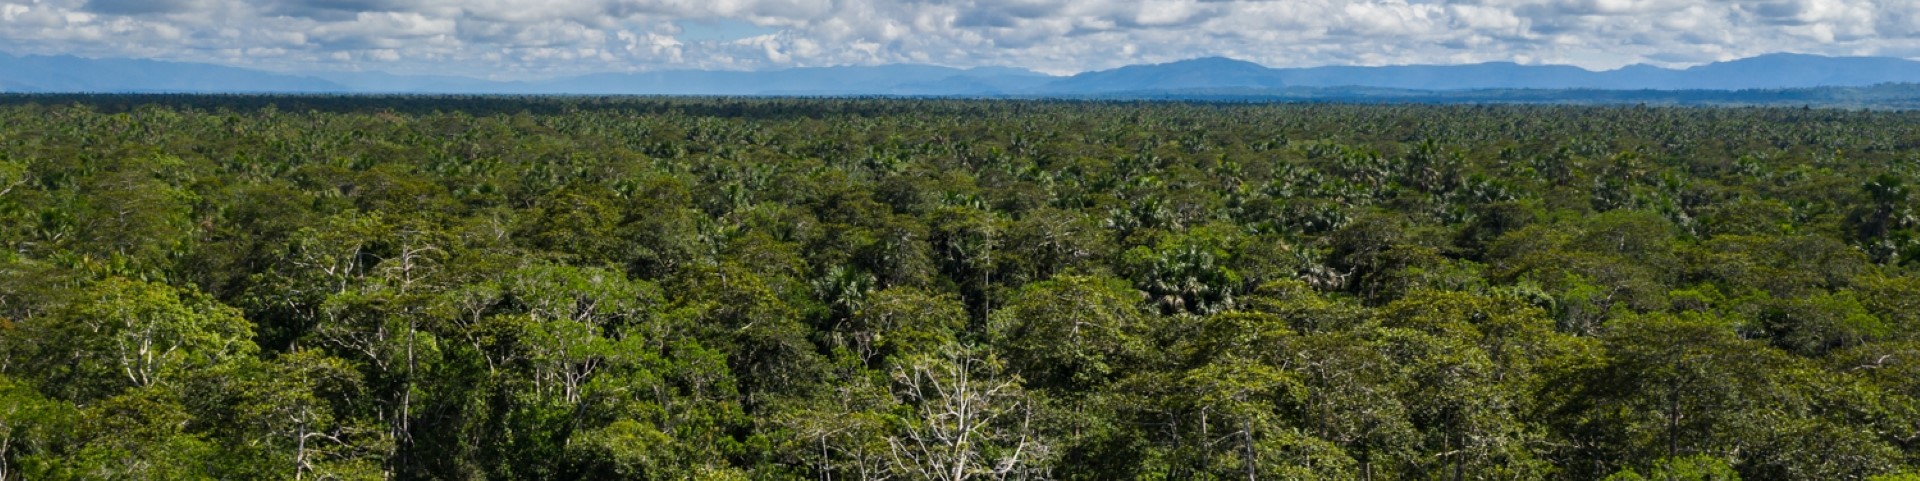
(339, 288)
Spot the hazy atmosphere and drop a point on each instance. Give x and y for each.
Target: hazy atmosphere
(533, 39)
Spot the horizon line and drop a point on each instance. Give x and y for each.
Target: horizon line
(317, 74)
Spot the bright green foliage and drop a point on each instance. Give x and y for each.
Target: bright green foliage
(1070, 332)
(31, 427)
(283, 420)
(118, 334)
(902, 321)
(139, 434)
(1818, 323)
(1895, 300)
(1691, 468)
(415, 288)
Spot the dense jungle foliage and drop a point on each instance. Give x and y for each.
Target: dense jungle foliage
(587, 288)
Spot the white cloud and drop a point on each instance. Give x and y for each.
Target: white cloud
(11, 11)
(540, 38)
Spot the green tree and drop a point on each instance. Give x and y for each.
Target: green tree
(32, 428)
(901, 321)
(1071, 332)
(1674, 387)
(118, 333)
(1691, 468)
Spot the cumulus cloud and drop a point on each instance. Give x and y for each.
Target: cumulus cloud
(141, 7)
(543, 38)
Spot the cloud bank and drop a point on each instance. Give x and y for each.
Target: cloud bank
(547, 38)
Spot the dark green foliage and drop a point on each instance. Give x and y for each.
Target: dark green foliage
(621, 288)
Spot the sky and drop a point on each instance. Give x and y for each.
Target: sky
(529, 39)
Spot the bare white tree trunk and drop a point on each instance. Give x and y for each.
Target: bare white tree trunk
(971, 419)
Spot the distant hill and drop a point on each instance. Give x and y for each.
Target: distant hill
(1794, 70)
(1891, 96)
(1212, 74)
(382, 82)
(1441, 77)
(874, 80)
(75, 74)
(1776, 71)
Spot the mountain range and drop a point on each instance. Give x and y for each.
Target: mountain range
(1774, 71)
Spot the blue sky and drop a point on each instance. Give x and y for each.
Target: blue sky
(509, 39)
